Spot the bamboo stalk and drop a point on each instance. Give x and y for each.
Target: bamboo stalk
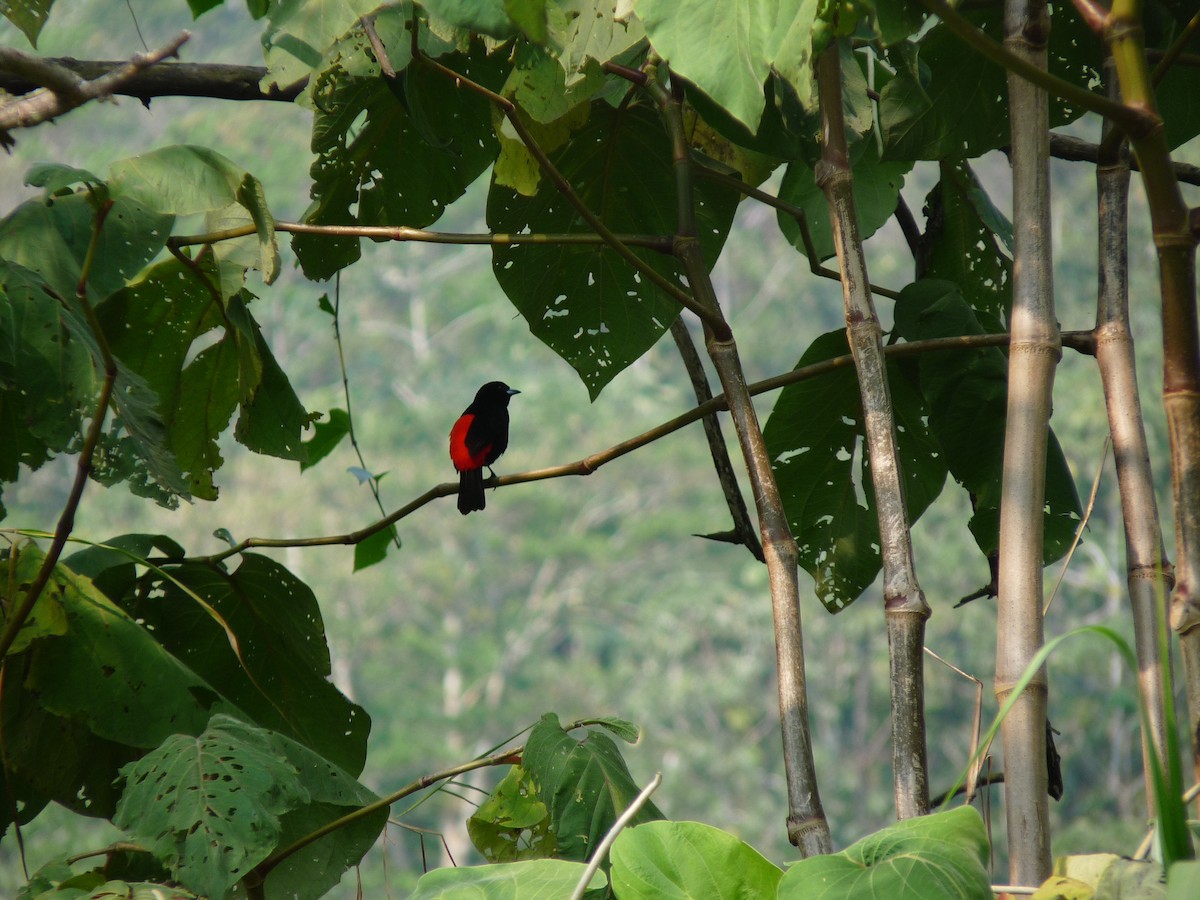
(904, 603)
(1148, 572)
(1176, 246)
(1033, 355)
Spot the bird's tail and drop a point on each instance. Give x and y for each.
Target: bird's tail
(470, 491)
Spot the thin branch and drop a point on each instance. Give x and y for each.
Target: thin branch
(63, 90)
(1082, 341)
(657, 242)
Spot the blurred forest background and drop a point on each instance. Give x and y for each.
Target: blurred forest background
(568, 595)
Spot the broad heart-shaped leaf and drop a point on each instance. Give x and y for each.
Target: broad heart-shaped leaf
(535, 879)
(400, 159)
(108, 672)
(46, 379)
(585, 302)
(947, 102)
(818, 452)
(585, 785)
(876, 189)
(966, 392)
(512, 823)
(941, 856)
(968, 241)
(688, 859)
(729, 49)
(208, 806)
(284, 682)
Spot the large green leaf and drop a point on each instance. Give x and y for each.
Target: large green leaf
(876, 189)
(282, 676)
(272, 416)
(208, 806)
(585, 302)
(818, 452)
(729, 49)
(968, 241)
(585, 784)
(533, 879)
(941, 856)
(946, 102)
(367, 140)
(588, 33)
(46, 379)
(300, 32)
(688, 859)
(966, 391)
(512, 823)
(110, 673)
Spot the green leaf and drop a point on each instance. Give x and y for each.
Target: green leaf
(585, 785)
(512, 823)
(272, 417)
(941, 855)
(1183, 880)
(326, 437)
(968, 241)
(1176, 97)
(55, 178)
(894, 21)
(508, 881)
(282, 677)
(586, 303)
(966, 391)
(1132, 878)
(209, 806)
(48, 618)
(876, 189)
(488, 17)
(46, 379)
(365, 139)
(588, 33)
(301, 31)
(688, 859)
(28, 15)
(818, 452)
(110, 673)
(729, 49)
(622, 728)
(374, 549)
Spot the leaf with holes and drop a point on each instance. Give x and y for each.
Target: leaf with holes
(512, 823)
(592, 308)
(284, 683)
(584, 783)
(966, 392)
(208, 806)
(968, 241)
(818, 452)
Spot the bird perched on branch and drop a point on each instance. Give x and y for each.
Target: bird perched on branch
(476, 441)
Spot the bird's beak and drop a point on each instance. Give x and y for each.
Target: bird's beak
(512, 391)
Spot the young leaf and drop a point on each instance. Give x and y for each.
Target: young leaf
(941, 856)
(586, 303)
(688, 859)
(374, 549)
(818, 452)
(209, 806)
(585, 785)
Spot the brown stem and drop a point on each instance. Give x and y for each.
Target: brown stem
(904, 603)
(1033, 355)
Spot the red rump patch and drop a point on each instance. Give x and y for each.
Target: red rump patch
(462, 457)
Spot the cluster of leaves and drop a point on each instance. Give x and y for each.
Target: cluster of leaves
(188, 703)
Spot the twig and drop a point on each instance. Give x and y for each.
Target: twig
(618, 826)
(63, 89)
(1083, 523)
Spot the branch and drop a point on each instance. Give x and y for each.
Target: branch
(63, 90)
(1081, 341)
(167, 79)
(1077, 150)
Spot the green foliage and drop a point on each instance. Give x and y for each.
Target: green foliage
(530, 878)
(943, 855)
(688, 859)
(816, 441)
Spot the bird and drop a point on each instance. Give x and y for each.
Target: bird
(477, 439)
